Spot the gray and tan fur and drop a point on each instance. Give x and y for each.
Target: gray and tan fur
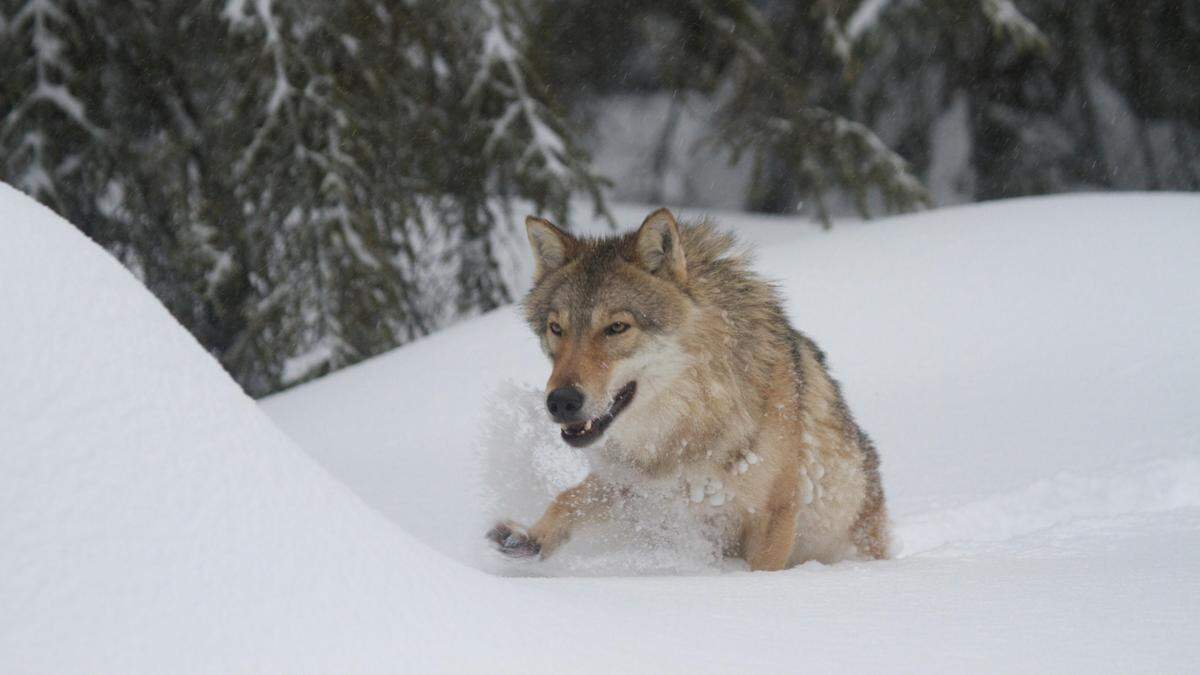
(732, 408)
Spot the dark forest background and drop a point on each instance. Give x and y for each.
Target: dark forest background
(306, 184)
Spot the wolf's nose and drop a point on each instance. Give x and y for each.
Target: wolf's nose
(564, 404)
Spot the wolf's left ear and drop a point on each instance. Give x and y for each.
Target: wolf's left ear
(659, 248)
(551, 246)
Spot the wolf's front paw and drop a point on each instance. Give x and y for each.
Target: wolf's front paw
(513, 541)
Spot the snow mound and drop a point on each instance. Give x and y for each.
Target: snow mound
(1028, 370)
(152, 519)
(986, 349)
(1129, 488)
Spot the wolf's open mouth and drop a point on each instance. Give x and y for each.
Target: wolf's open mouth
(580, 434)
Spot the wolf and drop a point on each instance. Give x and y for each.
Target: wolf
(675, 366)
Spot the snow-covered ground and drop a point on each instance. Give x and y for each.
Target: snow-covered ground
(1028, 369)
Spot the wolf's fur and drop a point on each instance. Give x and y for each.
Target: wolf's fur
(734, 409)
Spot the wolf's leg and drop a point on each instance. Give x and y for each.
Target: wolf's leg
(770, 539)
(770, 534)
(590, 500)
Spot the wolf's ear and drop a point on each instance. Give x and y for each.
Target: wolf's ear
(659, 248)
(551, 246)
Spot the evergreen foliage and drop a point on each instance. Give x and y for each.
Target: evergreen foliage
(1062, 95)
(303, 184)
(859, 102)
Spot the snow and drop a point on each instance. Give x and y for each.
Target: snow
(499, 52)
(951, 177)
(628, 144)
(1005, 16)
(1027, 369)
(300, 365)
(61, 97)
(865, 18)
(154, 520)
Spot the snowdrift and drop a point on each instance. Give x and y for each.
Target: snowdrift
(153, 520)
(985, 348)
(1028, 370)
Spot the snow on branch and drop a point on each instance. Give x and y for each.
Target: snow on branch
(51, 69)
(1007, 20)
(775, 117)
(1004, 17)
(501, 40)
(523, 136)
(865, 18)
(829, 151)
(281, 89)
(45, 110)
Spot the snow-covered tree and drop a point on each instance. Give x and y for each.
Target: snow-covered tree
(850, 102)
(303, 184)
(51, 132)
(784, 112)
(1000, 98)
(388, 140)
(775, 71)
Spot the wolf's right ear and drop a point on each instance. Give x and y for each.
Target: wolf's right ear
(659, 247)
(551, 246)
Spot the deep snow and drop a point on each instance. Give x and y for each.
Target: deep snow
(1028, 370)
(152, 519)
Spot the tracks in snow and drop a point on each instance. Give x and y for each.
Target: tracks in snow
(1128, 488)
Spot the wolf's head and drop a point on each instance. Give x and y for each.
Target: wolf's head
(608, 313)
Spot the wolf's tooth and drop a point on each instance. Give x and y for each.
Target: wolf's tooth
(588, 426)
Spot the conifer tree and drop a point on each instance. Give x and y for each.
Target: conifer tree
(303, 184)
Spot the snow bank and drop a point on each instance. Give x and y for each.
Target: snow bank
(153, 520)
(1028, 369)
(985, 348)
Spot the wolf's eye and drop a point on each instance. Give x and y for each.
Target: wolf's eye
(555, 328)
(616, 327)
